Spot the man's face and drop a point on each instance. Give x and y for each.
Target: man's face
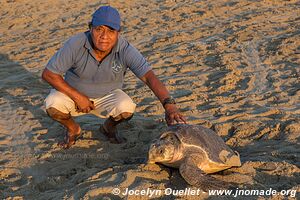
(104, 37)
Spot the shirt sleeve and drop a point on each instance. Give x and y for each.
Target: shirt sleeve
(136, 61)
(63, 59)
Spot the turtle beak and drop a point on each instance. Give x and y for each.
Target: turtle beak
(150, 159)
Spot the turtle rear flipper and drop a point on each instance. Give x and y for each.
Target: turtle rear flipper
(196, 177)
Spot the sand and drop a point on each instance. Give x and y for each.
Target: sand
(233, 66)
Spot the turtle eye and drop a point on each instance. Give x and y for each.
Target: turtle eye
(161, 151)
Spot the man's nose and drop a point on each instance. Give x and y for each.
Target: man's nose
(104, 34)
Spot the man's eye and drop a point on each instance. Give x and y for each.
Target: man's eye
(98, 29)
(111, 30)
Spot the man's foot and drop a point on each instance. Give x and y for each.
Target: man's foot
(70, 139)
(112, 135)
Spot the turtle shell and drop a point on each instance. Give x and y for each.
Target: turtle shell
(195, 138)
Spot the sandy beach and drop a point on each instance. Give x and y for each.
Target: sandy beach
(232, 66)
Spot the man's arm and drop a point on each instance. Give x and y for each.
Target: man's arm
(55, 80)
(161, 92)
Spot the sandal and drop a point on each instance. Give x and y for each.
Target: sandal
(69, 140)
(112, 137)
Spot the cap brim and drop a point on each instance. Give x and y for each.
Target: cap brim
(112, 26)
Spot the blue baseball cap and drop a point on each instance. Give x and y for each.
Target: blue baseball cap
(107, 15)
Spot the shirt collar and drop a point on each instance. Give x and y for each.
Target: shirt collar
(88, 43)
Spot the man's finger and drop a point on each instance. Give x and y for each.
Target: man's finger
(169, 120)
(170, 123)
(92, 105)
(183, 119)
(86, 110)
(177, 118)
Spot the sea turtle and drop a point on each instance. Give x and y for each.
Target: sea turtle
(196, 151)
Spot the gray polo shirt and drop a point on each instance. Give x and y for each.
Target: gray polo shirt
(95, 79)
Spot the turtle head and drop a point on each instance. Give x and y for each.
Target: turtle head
(162, 150)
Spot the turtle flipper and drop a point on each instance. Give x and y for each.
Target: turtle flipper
(196, 177)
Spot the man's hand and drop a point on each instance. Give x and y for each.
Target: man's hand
(173, 114)
(83, 104)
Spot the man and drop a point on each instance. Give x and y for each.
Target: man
(94, 64)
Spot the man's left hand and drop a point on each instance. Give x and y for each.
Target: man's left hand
(173, 114)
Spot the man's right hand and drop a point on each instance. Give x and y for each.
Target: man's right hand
(83, 104)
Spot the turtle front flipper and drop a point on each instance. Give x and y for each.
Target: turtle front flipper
(196, 177)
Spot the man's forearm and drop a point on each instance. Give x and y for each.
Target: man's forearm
(59, 84)
(158, 88)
